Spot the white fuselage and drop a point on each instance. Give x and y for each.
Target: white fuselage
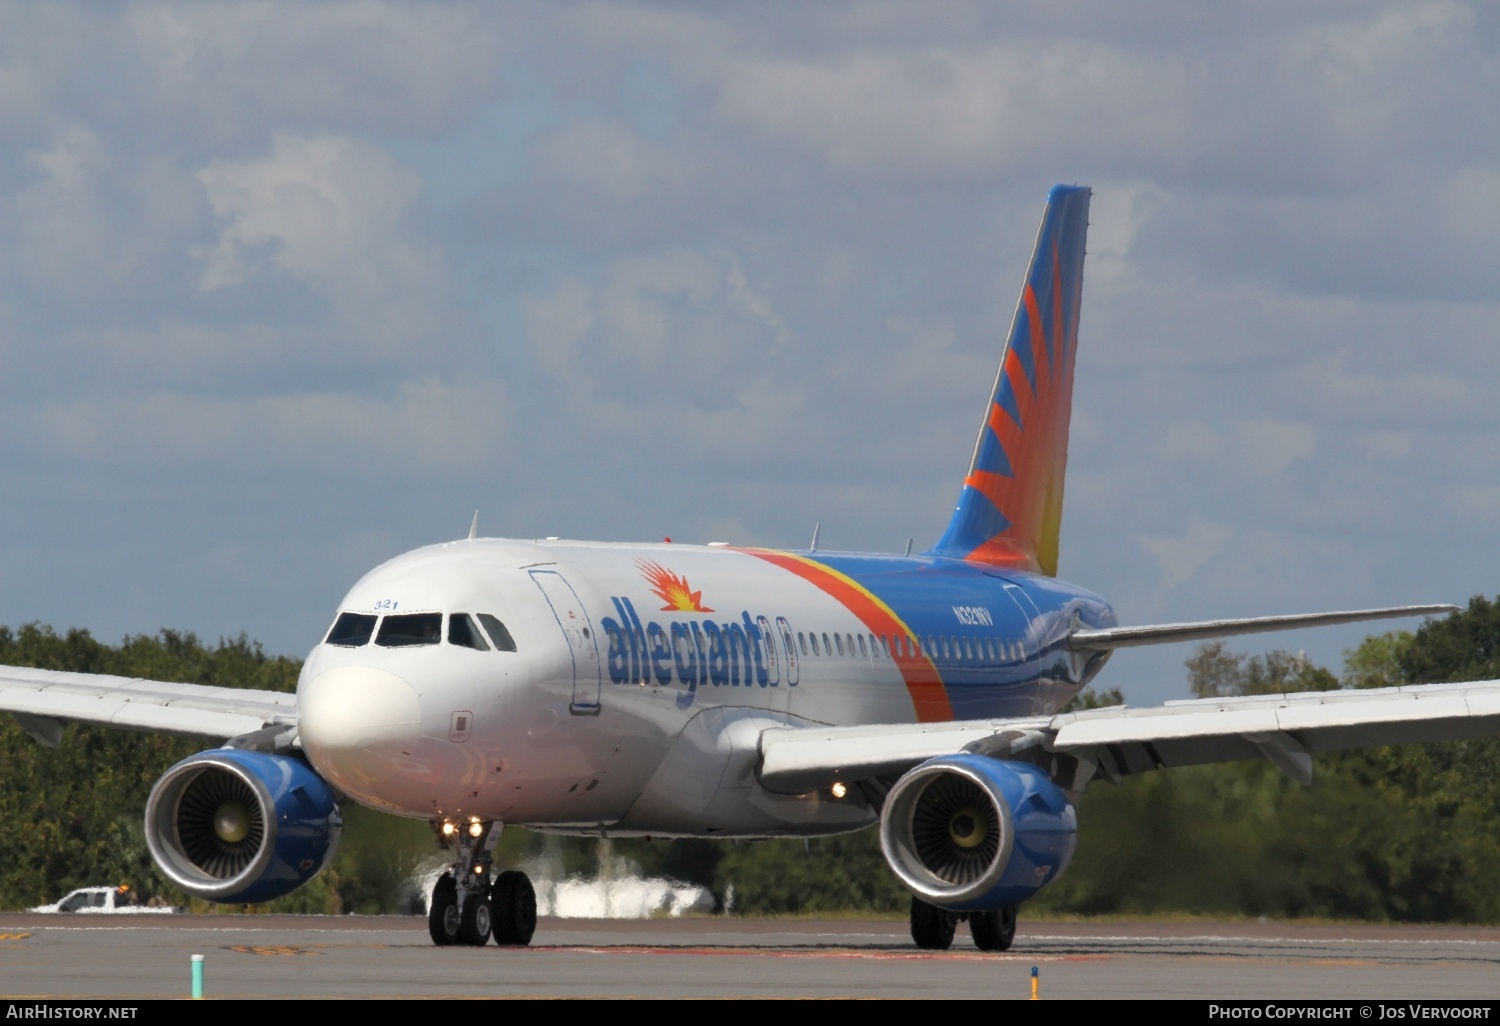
(641, 678)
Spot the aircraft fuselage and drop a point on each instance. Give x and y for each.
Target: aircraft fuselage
(642, 675)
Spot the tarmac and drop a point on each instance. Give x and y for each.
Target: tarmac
(124, 957)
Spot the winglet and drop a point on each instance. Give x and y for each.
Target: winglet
(1010, 508)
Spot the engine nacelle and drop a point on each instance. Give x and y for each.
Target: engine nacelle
(237, 826)
(968, 832)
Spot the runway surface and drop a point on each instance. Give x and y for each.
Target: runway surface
(309, 956)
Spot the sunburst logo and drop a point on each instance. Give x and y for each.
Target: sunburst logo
(671, 589)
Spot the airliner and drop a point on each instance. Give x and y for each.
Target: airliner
(727, 691)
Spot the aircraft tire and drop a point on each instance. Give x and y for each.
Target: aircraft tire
(513, 909)
(932, 927)
(443, 916)
(994, 930)
(475, 921)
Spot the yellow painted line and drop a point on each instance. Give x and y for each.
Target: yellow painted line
(272, 949)
(13, 936)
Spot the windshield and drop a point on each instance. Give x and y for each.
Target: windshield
(351, 630)
(410, 629)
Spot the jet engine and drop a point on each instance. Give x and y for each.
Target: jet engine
(237, 826)
(969, 832)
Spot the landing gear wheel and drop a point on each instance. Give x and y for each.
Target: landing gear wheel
(932, 927)
(994, 930)
(443, 916)
(474, 922)
(513, 909)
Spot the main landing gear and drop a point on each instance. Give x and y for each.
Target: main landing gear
(469, 904)
(933, 927)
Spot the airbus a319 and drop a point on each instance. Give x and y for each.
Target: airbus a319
(724, 691)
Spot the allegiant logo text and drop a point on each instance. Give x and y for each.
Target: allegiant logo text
(735, 654)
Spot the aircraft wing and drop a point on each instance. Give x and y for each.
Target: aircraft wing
(41, 699)
(1117, 741)
(1171, 633)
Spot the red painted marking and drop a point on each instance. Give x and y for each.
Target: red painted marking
(928, 696)
(876, 956)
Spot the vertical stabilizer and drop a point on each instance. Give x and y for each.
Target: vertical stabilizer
(1010, 509)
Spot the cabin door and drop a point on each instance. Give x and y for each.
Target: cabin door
(582, 640)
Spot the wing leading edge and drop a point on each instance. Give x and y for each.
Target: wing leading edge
(42, 699)
(1118, 741)
(1170, 633)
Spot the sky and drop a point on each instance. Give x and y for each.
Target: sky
(287, 289)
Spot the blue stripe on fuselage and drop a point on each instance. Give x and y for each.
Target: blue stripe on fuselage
(946, 599)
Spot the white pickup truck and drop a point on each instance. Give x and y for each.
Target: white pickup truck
(99, 900)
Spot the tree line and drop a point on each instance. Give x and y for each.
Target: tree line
(1407, 833)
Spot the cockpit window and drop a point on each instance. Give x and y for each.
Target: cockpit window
(497, 632)
(351, 630)
(410, 629)
(463, 632)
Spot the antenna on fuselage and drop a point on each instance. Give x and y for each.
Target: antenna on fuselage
(814, 546)
(908, 546)
(474, 527)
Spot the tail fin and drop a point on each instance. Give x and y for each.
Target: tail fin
(1010, 509)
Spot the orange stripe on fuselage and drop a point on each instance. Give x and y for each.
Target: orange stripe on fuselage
(928, 696)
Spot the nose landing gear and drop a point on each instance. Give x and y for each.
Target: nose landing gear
(470, 904)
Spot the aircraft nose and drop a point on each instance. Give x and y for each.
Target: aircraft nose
(353, 714)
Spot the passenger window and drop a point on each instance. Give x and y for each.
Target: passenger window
(840, 643)
(827, 645)
(351, 630)
(497, 632)
(814, 638)
(802, 642)
(463, 632)
(862, 647)
(410, 629)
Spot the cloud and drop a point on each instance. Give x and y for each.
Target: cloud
(1181, 557)
(93, 228)
(332, 214)
(424, 428)
(233, 70)
(684, 330)
(624, 270)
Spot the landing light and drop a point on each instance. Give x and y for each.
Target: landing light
(838, 789)
(475, 829)
(478, 870)
(448, 828)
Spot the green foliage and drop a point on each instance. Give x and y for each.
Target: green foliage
(1376, 661)
(1088, 698)
(1216, 672)
(1407, 833)
(74, 814)
(1380, 835)
(1464, 646)
(826, 874)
